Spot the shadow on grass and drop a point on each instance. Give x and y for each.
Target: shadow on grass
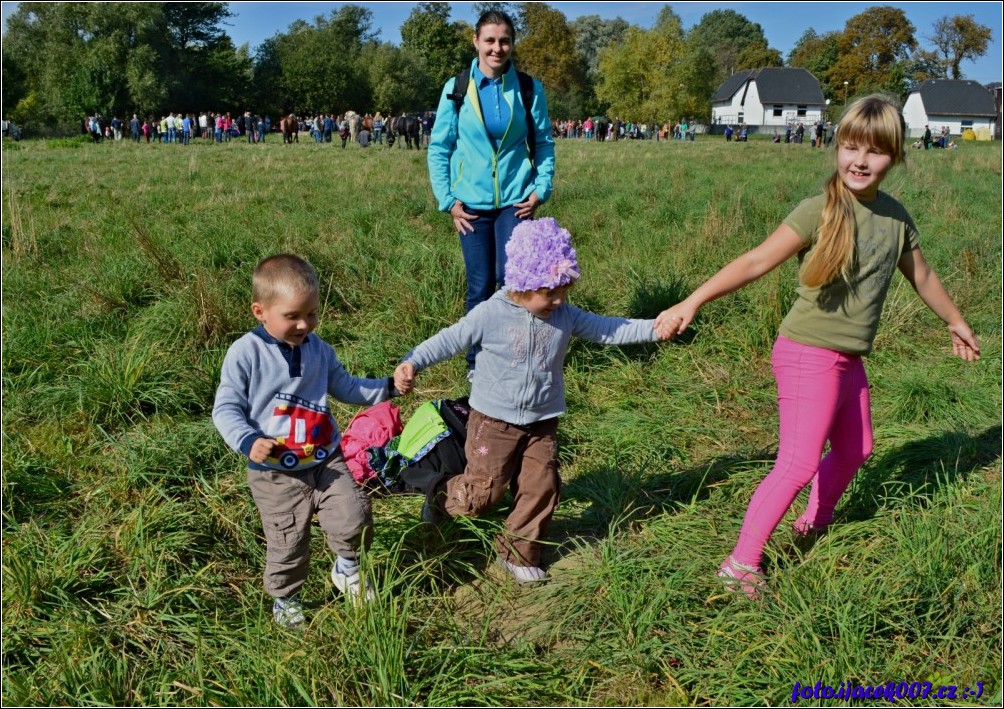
(914, 470)
(610, 494)
(917, 470)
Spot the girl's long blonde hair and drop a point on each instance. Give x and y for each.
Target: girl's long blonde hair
(873, 120)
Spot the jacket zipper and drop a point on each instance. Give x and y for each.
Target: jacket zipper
(528, 380)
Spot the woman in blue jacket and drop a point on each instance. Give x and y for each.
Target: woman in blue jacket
(479, 158)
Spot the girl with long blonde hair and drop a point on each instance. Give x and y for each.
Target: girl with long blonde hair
(849, 242)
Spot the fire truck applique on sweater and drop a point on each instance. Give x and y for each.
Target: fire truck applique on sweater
(310, 432)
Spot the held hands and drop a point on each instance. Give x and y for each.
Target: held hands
(461, 222)
(525, 210)
(261, 449)
(964, 343)
(673, 321)
(404, 377)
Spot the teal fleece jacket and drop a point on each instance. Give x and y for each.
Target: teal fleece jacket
(464, 166)
(519, 377)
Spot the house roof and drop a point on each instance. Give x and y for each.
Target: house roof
(775, 85)
(951, 97)
(788, 85)
(735, 82)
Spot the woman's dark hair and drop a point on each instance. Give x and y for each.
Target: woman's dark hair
(495, 17)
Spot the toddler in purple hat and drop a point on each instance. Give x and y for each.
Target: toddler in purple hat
(517, 390)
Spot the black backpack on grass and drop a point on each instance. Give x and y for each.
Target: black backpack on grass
(445, 457)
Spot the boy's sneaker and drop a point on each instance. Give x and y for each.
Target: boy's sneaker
(348, 581)
(288, 612)
(740, 578)
(432, 513)
(524, 575)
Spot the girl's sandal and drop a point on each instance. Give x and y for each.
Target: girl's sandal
(740, 578)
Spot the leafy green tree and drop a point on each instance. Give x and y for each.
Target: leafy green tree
(548, 52)
(816, 53)
(923, 65)
(15, 80)
(592, 34)
(696, 74)
(960, 37)
(757, 55)
(725, 35)
(444, 47)
(399, 80)
(871, 50)
(642, 78)
(268, 89)
(116, 58)
(321, 65)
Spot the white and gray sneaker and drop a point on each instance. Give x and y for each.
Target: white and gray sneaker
(524, 575)
(345, 576)
(288, 612)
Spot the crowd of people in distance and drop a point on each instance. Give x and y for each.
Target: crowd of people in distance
(602, 129)
(370, 129)
(209, 127)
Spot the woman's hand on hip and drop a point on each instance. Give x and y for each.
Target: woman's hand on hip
(525, 210)
(461, 218)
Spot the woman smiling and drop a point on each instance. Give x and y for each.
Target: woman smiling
(489, 168)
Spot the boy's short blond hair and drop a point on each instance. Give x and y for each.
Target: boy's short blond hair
(282, 275)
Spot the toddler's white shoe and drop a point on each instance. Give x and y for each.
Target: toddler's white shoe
(288, 612)
(524, 575)
(348, 581)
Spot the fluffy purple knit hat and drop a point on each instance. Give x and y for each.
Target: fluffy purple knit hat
(539, 255)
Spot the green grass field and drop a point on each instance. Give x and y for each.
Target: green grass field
(132, 552)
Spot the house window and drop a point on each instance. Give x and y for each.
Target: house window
(778, 111)
(967, 124)
(801, 111)
(741, 116)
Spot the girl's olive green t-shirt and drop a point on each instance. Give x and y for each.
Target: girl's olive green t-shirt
(842, 315)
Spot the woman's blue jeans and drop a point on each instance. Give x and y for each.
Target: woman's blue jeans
(484, 257)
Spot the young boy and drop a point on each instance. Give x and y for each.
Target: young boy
(271, 406)
(518, 390)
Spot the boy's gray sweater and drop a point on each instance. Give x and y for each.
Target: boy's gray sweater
(271, 390)
(519, 376)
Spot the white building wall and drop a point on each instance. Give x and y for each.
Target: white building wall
(916, 119)
(755, 113)
(955, 126)
(915, 116)
(729, 111)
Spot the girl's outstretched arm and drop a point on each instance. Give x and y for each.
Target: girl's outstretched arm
(775, 250)
(925, 281)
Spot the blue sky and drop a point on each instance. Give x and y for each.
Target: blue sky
(783, 23)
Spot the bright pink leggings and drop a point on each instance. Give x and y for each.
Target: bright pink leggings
(822, 395)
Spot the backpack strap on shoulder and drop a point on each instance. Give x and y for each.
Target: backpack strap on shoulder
(460, 88)
(526, 92)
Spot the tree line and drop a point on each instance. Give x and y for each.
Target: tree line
(63, 61)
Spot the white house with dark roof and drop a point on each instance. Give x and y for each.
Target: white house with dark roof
(769, 98)
(958, 104)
